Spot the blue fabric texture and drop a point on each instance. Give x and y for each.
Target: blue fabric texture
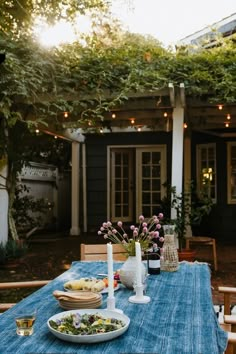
(180, 318)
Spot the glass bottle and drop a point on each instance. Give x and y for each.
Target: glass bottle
(153, 260)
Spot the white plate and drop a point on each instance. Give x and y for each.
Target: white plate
(104, 291)
(91, 338)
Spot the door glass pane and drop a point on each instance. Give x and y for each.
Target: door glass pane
(146, 184)
(121, 180)
(150, 176)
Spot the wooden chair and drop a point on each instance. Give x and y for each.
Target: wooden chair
(229, 323)
(204, 241)
(97, 252)
(18, 285)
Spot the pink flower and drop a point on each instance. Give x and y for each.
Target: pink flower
(135, 233)
(105, 236)
(132, 227)
(120, 223)
(156, 234)
(141, 218)
(145, 230)
(158, 226)
(160, 215)
(161, 239)
(144, 224)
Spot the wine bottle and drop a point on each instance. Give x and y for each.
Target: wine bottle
(153, 260)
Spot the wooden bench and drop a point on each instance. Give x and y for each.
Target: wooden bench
(19, 285)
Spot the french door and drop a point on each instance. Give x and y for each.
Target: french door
(136, 176)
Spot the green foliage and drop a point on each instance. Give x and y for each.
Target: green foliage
(190, 207)
(12, 250)
(28, 211)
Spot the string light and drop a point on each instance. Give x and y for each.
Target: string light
(165, 114)
(139, 129)
(220, 107)
(185, 125)
(132, 120)
(36, 131)
(113, 115)
(101, 130)
(89, 123)
(228, 116)
(66, 114)
(227, 125)
(55, 137)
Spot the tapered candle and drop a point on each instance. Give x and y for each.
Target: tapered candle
(138, 264)
(110, 270)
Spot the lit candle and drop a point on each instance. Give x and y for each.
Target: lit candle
(138, 264)
(110, 270)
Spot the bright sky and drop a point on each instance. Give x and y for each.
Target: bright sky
(167, 20)
(171, 20)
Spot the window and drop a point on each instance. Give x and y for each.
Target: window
(231, 177)
(206, 169)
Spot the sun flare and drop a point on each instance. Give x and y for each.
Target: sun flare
(62, 32)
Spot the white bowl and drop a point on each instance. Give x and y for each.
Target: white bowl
(91, 338)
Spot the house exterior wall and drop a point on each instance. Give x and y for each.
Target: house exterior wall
(221, 221)
(96, 155)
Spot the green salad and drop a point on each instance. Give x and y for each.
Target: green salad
(86, 324)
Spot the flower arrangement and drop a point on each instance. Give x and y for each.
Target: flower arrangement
(144, 233)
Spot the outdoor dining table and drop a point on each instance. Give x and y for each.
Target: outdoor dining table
(179, 319)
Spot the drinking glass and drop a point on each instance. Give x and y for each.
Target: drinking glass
(25, 322)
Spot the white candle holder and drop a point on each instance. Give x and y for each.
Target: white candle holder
(139, 298)
(111, 304)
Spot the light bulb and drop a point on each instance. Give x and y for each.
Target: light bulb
(66, 114)
(228, 116)
(113, 115)
(165, 114)
(220, 107)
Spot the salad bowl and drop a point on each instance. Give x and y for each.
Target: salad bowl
(88, 338)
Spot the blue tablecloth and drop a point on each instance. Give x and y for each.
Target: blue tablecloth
(180, 318)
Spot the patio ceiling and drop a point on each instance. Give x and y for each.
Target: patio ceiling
(151, 111)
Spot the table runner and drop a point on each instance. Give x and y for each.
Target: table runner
(180, 319)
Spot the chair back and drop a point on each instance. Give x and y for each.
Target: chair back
(97, 252)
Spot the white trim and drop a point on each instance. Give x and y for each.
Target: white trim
(136, 147)
(199, 147)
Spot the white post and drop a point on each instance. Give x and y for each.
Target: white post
(4, 202)
(177, 150)
(75, 179)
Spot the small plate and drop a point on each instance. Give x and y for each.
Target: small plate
(103, 291)
(91, 338)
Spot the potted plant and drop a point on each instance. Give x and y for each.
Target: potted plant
(189, 209)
